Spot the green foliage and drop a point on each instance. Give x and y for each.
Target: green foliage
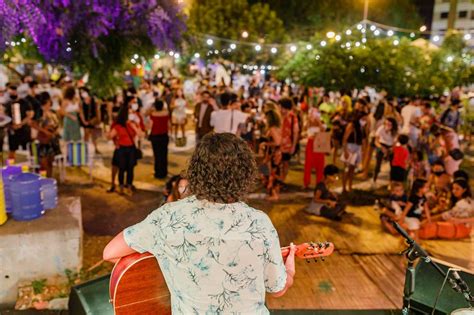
(38, 286)
(228, 19)
(402, 69)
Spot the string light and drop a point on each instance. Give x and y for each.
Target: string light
(376, 32)
(363, 31)
(293, 48)
(359, 26)
(176, 56)
(209, 41)
(357, 44)
(274, 50)
(467, 36)
(157, 56)
(348, 32)
(373, 28)
(258, 47)
(450, 59)
(135, 56)
(197, 55)
(396, 42)
(245, 34)
(412, 35)
(338, 37)
(133, 61)
(423, 28)
(23, 40)
(436, 38)
(171, 53)
(233, 46)
(309, 46)
(330, 34)
(323, 43)
(390, 33)
(364, 40)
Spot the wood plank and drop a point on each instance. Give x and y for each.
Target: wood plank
(338, 283)
(389, 277)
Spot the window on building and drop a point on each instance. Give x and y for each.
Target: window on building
(462, 14)
(444, 15)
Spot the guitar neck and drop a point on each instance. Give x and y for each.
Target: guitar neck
(310, 250)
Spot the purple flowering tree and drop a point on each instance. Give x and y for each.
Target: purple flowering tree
(95, 36)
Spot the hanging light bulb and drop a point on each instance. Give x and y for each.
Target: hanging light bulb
(293, 48)
(364, 40)
(348, 32)
(338, 37)
(330, 34)
(309, 46)
(436, 38)
(390, 33)
(274, 50)
(377, 32)
(233, 46)
(209, 41)
(323, 43)
(258, 47)
(396, 42)
(357, 44)
(373, 28)
(359, 26)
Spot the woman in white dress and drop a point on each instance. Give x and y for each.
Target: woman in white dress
(178, 116)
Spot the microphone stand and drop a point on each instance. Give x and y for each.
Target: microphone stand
(415, 251)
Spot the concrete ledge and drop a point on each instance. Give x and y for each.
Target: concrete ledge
(40, 248)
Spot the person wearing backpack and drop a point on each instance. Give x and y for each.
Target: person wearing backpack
(451, 117)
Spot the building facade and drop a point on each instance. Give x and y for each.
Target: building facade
(464, 18)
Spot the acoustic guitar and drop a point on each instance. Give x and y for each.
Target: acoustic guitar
(137, 285)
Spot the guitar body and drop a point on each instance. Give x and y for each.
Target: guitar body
(137, 286)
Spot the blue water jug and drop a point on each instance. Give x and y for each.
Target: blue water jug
(25, 191)
(49, 193)
(7, 173)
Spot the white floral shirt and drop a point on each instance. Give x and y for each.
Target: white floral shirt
(216, 258)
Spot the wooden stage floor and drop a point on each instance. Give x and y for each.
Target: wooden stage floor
(365, 273)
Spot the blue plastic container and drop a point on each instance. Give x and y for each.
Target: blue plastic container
(25, 191)
(7, 173)
(49, 193)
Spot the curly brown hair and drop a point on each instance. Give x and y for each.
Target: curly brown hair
(222, 168)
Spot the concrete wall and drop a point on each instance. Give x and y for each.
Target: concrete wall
(40, 248)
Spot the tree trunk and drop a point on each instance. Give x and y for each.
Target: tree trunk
(453, 5)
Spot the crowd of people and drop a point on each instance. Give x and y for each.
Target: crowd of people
(419, 139)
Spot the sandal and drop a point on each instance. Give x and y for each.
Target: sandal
(111, 189)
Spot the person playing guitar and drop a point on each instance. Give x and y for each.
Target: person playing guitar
(217, 254)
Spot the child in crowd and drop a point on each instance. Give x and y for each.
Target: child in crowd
(400, 159)
(415, 208)
(325, 202)
(176, 188)
(396, 203)
(420, 168)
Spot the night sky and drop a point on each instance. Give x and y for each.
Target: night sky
(425, 9)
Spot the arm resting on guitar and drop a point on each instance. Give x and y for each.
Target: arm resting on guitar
(290, 271)
(116, 249)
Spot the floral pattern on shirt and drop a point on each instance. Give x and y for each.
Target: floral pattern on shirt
(216, 258)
